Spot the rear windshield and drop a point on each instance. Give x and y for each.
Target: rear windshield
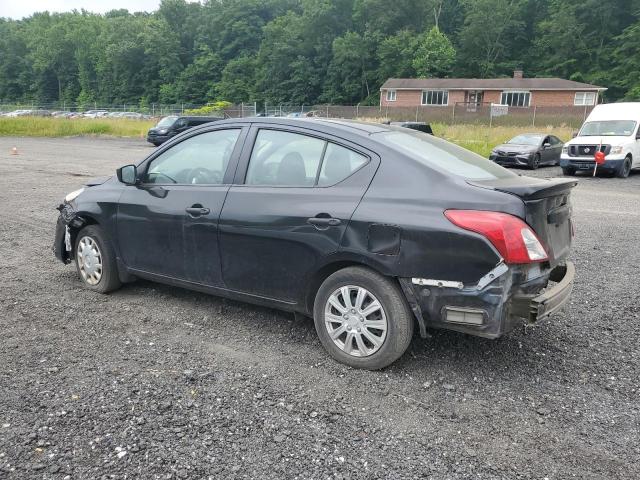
(608, 128)
(442, 155)
(166, 121)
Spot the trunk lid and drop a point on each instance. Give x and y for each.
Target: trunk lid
(547, 209)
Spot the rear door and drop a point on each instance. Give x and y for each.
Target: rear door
(295, 192)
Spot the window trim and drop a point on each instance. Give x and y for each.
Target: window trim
(505, 92)
(395, 95)
(432, 90)
(584, 94)
(252, 136)
(227, 179)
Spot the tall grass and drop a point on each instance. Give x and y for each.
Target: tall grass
(62, 127)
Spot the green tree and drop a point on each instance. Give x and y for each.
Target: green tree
(491, 28)
(435, 55)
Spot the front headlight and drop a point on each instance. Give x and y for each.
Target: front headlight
(565, 149)
(163, 131)
(617, 150)
(72, 196)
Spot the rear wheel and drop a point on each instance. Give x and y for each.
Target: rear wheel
(535, 162)
(362, 318)
(625, 168)
(95, 260)
(569, 172)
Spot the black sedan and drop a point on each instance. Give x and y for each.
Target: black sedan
(374, 230)
(528, 150)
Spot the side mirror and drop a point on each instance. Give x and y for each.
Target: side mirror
(546, 145)
(574, 134)
(128, 174)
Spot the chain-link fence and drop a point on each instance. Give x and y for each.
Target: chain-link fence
(459, 113)
(132, 111)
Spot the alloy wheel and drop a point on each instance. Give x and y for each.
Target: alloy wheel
(355, 321)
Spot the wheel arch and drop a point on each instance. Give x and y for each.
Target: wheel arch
(331, 267)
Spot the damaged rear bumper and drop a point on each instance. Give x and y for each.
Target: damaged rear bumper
(505, 297)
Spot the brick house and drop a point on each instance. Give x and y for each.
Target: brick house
(515, 92)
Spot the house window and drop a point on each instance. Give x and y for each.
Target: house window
(516, 99)
(391, 95)
(435, 97)
(585, 98)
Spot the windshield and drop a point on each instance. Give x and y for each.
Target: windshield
(442, 155)
(526, 140)
(166, 121)
(608, 128)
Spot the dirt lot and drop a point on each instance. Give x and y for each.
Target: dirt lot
(158, 382)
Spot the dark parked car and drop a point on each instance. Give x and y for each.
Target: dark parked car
(371, 229)
(528, 150)
(171, 126)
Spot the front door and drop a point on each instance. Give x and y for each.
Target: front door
(168, 224)
(290, 211)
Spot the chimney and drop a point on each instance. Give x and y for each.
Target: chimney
(518, 74)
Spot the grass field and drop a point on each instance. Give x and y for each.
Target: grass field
(477, 138)
(62, 127)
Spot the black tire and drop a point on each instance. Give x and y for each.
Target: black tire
(625, 168)
(569, 172)
(109, 279)
(535, 162)
(400, 320)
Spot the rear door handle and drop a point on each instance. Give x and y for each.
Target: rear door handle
(197, 211)
(324, 221)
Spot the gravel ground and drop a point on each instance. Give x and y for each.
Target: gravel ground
(158, 382)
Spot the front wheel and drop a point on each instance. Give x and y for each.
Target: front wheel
(625, 168)
(535, 162)
(362, 318)
(95, 260)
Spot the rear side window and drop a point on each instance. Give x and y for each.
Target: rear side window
(338, 164)
(442, 155)
(285, 159)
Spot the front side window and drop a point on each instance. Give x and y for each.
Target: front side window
(198, 160)
(435, 97)
(391, 95)
(585, 98)
(284, 159)
(516, 99)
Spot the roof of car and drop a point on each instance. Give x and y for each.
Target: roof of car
(362, 128)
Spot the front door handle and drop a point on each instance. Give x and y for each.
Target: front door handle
(324, 221)
(197, 211)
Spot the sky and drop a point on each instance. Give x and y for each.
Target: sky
(17, 9)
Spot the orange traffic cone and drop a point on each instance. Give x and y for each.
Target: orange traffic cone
(14, 151)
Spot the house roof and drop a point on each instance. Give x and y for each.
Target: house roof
(487, 84)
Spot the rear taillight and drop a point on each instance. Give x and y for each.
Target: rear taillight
(514, 239)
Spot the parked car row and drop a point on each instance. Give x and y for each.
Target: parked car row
(608, 142)
(68, 114)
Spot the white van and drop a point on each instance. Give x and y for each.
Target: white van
(613, 129)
